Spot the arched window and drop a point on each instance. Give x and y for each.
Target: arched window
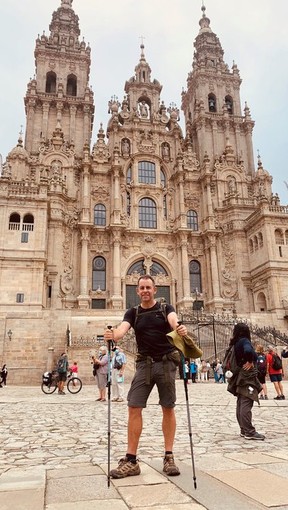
(50, 83)
(99, 274)
(137, 267)
(251, 249)
(71, 89)
(255, 239)
(28, 223)
(261, 302)
(229, 104)
(212, 103)
(100, 215)
(146, 172)
(162, 178)
(157, 268)
(192, 220)
(14, 221)
(147, 213)
(195, 276)
(129, 175)
(279, 239)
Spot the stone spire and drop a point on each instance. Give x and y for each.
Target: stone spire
(143, 70)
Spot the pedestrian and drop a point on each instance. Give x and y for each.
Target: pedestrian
(219, 371)
(262, 370)
(62, 369)
(118, 366)
(204, 371)
(74, 371)
(244, 382)
(156, 363)
(193, 370)
(275, 371)
(4, 374)
(102, 372)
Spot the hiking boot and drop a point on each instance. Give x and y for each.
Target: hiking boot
(282, 397)
(265, 398)
(125, 468)
(169, 466)
(256, 436)
(278, 397)
(261, 397)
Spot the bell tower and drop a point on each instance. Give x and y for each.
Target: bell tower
(59, 94)
(211, 104)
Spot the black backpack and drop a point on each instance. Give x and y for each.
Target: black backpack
(276, 362)
(229, 362)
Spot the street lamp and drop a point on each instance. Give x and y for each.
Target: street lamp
(9, 333)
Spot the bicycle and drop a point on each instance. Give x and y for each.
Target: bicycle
(50, 383)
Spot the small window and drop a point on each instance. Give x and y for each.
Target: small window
(99, 274)
(212, 103)
(195, 276)
(129, 175)
(99, 304)
(147, 213)
(100, 215)
(14, 221)
(28, 223)
(24, 237)
(50, 83)
(128, 197)
(192, 220)
(20, 298)
(162, 178)
(71, 89)
(229, 104)
(146, 172)
(279, 238)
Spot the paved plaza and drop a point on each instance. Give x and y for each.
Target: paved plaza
(54, 453)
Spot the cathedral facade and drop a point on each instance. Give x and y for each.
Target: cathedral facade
(82, 219)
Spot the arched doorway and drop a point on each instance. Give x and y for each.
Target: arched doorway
(159, 274)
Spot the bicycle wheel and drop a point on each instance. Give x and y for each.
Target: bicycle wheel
(49, 388)
(74, 385)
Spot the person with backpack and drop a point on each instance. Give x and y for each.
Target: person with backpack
(262, 370)
(156, 363)
(243, 382)
(275, 371)
(118, 367)
(62, 369)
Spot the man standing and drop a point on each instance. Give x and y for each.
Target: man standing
(275, 372)
(156, 363)
(244, 383)
(62, 369)
(118, 367)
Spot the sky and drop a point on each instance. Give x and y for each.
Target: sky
(252, 33)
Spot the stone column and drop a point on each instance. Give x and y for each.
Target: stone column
(117, 300)
(45, 109)
(214, 268)
(83, 298)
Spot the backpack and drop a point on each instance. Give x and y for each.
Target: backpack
(61, 367)
(276, 362)
(118, 362)
(261, 364)
(229, 363)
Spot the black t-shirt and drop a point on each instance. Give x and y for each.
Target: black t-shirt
(151, 329)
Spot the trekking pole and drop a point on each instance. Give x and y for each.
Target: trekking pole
(110, 342)
(188, 415)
